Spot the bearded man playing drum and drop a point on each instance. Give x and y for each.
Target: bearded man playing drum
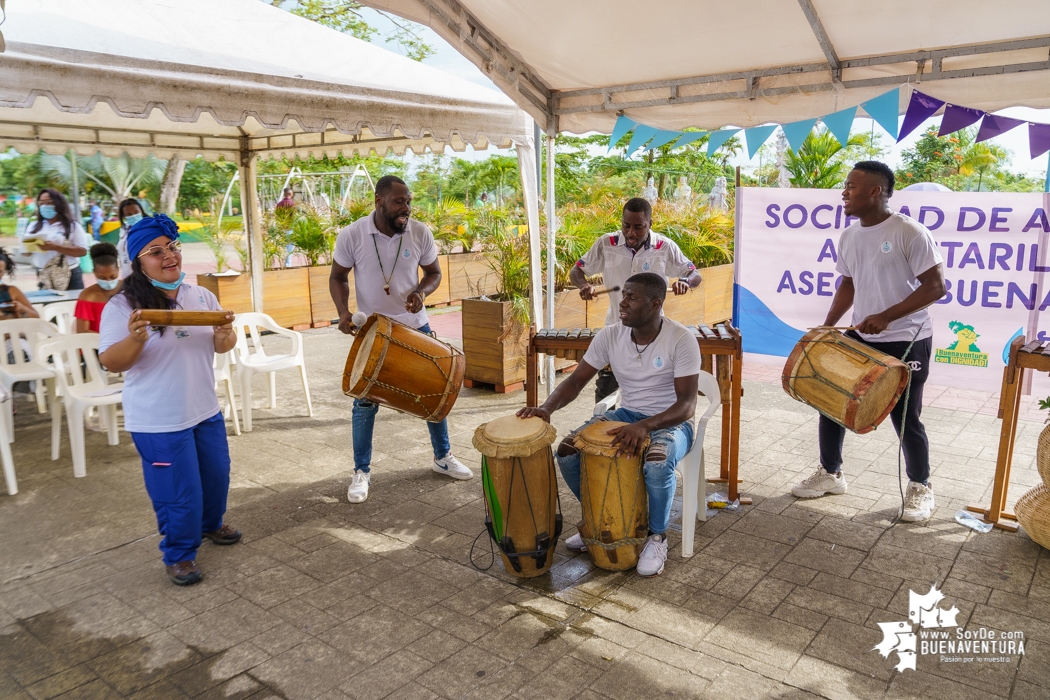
(384, 249)
(657, 361)
(891, 271)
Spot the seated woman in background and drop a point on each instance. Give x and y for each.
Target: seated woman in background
(93, 299)
(13, 303)
(129, 211)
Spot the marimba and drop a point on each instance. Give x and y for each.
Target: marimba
(721, 353)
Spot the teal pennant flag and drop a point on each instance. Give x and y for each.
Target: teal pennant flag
(718, 138)
(796, 132)
(662, 138)
(688, 137)
(839, 123)
(642, 133)
(885, 110)
(621, 127)
(756, 136)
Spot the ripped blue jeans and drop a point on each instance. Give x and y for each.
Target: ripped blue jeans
(666, 448)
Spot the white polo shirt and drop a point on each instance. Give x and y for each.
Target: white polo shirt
(54, 233)
(172, 386)
(356, 248)
(616, 262)
(647, 377)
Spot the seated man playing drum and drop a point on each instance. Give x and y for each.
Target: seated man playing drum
(657, 362)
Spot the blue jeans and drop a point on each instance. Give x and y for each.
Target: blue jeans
(364, 420)
(187, 476)
(667, 447)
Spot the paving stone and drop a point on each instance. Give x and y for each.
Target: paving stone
(135, 666)
(386, 676)
(736, 632)
(644, 677)
(225, 626)
(307, 670)
(461, 672)
(822, 556)
(375, 634)
(218, 669)
(60, 683)
(274, 586)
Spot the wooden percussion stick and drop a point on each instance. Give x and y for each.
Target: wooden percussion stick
(835, 328)
(161, 317)
(604, 290)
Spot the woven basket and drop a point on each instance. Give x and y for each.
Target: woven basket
(1033, 512)
(1042, 455)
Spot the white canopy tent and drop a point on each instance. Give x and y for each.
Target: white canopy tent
(237, 79)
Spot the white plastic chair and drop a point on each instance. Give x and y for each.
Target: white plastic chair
(19, 337)
(5, 447)
(73, 357)
(252, 360)
(691, 467)
(60, 313)
(223, 366)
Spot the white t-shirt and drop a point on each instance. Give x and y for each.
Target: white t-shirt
(616, 262)
(122, 253)
(356, 248)
(646, 382)
(884, 262)
(172, 386)
(54, 233)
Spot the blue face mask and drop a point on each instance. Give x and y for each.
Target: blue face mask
(168, 286)
(130, 221)
(48, 211)
(108, 285)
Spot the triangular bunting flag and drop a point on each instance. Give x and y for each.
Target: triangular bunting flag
(688, 137)
(756, 136)
(796, 132)
(920, 108)
(992, 126)
(839, 123)
(662, 138)
(621, 127)
(642, 133)
(885, 109)
(956, 117)
(1038, 139)
(718, 138)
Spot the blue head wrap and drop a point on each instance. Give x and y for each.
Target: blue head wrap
(149, 228)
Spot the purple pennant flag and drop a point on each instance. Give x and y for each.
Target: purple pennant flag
(920, 108)
(1038, 138)
(956, 117)
(992, 126)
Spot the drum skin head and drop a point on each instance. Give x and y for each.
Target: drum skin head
(512, 436)
(597, 433)
(364, 351)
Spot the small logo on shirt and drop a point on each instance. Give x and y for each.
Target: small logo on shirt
(645, 267)
(182, 333)
(658, 362)
(406, 254)
(886, 247)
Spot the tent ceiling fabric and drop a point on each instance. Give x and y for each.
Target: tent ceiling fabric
(704, 63)
(202, 77)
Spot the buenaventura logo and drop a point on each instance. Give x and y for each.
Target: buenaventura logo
(939, 635)
(963, 351)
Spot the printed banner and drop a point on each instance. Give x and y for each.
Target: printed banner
(995, 250)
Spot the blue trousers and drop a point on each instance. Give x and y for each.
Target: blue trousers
(666, 448)
(363, 420)
(187, 476)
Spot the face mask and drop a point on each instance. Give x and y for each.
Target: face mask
(108, 285)
(168, 286)
(130, 221)
(47, 211)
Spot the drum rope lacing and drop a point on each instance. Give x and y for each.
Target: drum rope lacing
(418, 398)
(585, 487)
(826, 382)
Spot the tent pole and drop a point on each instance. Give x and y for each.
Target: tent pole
(552, 263)
(530, 187)
(252, 214)
(75, 190)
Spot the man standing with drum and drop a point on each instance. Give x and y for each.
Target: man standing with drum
(384, 249)
(891, 272)
(617, 256)
(658, 363)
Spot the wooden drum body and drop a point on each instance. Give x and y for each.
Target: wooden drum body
(521, 492)
(846, 380)
(612, 493)
(397, 366)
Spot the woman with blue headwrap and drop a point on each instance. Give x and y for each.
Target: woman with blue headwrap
(170, 406)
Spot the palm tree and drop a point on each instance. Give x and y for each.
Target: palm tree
(818, 163)
(121, 177)
(980, 157)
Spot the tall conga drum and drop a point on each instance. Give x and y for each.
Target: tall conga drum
(397, 366)
(521, 492)
(612, 493)
(851, 383)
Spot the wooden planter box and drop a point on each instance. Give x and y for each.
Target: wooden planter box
(322, 308)
(718, 293)
(469, 276)
(286, 295)
(495, 353)
(234, 292)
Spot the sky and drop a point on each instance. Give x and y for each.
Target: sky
(449, 60)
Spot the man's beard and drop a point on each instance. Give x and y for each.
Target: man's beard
(393, 223)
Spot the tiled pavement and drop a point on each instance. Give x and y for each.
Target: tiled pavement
(328, 600)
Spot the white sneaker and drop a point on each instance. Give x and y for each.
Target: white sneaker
(654, 554)
(450, 466)
(918, 503)
(575, 543)
(358, 491)
(820, 483)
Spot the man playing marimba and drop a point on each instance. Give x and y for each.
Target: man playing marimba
(384, 249)
(617, 256)
(657, 361)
